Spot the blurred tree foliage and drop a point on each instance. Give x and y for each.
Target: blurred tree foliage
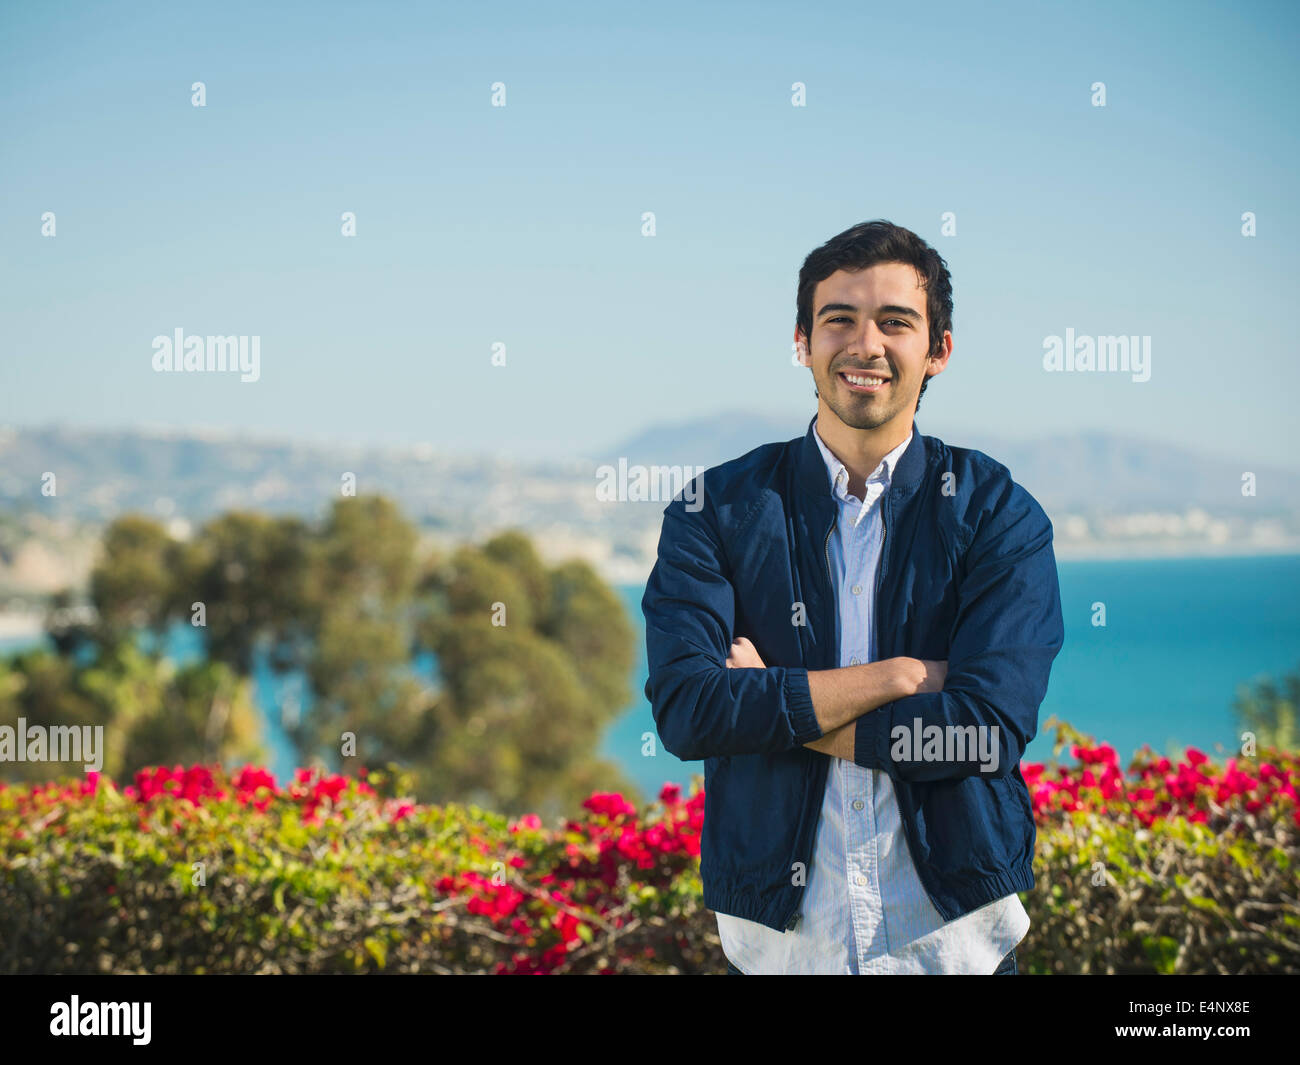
(151, 711)
(1268, 709)
(136, 591)
(533, 663)
(530, 663)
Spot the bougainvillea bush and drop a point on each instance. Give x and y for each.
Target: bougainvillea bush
(1170, 867)
(193, 870)
(1186, 867)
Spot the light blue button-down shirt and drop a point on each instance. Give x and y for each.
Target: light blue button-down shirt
(865, 909)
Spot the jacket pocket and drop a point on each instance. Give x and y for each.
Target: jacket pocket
(970, 826)
(1017, 819)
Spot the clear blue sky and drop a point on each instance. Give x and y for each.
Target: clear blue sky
(522, 224)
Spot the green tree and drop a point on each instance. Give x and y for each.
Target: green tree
(251, 573)
(1268, 710)
(133, 583)
(533, 664)
(357, 613)
(531, 661)
(150, 710)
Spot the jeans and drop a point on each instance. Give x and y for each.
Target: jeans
(1007, 967)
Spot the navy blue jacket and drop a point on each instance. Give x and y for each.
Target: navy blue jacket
(967, 574)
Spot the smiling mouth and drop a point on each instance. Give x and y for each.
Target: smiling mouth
(864, 382)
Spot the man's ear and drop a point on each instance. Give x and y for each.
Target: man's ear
(801, 352)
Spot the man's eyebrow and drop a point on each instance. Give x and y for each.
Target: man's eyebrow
(890, 308)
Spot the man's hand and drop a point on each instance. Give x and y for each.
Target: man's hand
(744, 655)
(909, 676)
(922, 675)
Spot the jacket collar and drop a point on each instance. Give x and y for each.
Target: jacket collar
(840, 473)
(813, 479)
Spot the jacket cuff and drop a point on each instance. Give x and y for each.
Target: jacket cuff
(798, 701)
(871, 737)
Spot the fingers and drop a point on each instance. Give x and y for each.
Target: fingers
(935, 675)
(744, 655)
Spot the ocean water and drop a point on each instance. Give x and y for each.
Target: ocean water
(1181, 636)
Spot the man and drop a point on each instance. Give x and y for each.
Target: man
(854, 630)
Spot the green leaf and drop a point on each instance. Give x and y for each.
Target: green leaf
(1162, 951)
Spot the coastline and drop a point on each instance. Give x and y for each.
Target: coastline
(627, 571)
(24, 625)
(1098, 552)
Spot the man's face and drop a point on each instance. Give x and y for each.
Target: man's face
(870, 341)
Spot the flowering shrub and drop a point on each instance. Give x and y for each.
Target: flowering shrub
(1194, 789)
(1168, 868)
(190, 869)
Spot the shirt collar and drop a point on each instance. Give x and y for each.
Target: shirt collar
(882, 474)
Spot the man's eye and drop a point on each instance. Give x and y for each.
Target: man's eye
(842, 318)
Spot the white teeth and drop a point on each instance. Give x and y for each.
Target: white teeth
(865, 382)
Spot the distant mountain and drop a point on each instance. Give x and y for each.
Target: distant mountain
(1108, 495)
(705, 441)
(1078, 470)
(100, 473)
(1082, 471)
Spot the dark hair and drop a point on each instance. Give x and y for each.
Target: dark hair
(869, 243)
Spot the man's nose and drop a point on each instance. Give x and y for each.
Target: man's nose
(870, 340)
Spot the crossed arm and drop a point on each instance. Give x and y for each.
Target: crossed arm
(1006, 631)
(841, 696)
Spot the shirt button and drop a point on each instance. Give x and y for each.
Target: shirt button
(853, 661)
(858, 804)
(862, 881)
(857, 589)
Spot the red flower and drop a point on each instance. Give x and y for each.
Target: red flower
(611, 804)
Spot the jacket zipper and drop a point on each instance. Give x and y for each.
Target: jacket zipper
(830, 577)
(830, 583)
(880, 572)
